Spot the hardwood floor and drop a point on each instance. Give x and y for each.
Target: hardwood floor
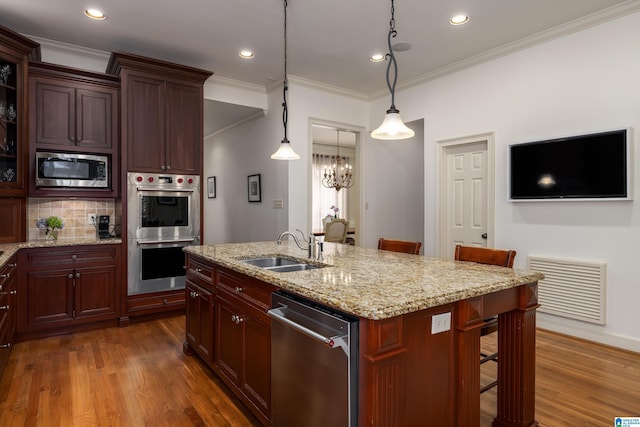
(133, 376)
(138, 376)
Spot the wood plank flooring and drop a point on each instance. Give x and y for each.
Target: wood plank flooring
(138, 376)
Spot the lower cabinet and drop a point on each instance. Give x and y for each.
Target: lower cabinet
(65, 287)
(8, 296)
(234, 317)
(243, 339)
(200, 320)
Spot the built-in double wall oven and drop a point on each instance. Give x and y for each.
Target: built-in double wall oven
(163, 217)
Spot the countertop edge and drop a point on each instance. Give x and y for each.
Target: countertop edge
(10, 249)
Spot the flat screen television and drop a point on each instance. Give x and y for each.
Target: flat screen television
(584, 167)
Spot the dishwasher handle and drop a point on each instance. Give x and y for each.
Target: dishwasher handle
(331, 342)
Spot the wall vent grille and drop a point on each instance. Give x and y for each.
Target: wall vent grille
(571, 288)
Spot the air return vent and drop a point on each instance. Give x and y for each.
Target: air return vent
(571, 288)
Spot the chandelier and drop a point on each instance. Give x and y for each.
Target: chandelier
(340, 175)
(392, 127)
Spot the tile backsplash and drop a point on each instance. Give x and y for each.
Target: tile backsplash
(74, 214)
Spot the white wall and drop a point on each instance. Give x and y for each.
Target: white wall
(394, 197)
(306, 103)
(231, 157)
(584, 82)
(246, 149)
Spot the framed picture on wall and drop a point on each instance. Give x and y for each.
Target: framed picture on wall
(211, 187)
(255, 192)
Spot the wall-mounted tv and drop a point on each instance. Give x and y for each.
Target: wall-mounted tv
(592, 167)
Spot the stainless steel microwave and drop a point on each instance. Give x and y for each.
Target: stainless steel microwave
(71, 170)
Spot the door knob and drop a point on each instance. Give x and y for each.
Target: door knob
(484, 235)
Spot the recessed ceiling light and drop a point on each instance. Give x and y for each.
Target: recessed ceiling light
(459, 20)
(376, 57)
(95, 14)
(246, 54)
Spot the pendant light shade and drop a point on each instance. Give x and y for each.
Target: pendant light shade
(285, 151)
(392, 126)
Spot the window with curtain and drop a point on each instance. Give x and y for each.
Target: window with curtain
(323, 197)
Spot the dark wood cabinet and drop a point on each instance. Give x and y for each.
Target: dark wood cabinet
(13, 212)
(200, 308)
(65, 287)
(15, 53)
(8, 309)
(162, 114)
(243, 339)
(200, 320)
(228, 327)
(74, 110)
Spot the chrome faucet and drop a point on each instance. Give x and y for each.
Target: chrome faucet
(311, 248)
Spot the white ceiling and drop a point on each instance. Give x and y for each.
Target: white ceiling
(329, 41)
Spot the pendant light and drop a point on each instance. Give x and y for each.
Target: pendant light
(392, 126)
(285, 152)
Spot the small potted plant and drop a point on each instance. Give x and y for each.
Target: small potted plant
(52, 224)
(335, 211)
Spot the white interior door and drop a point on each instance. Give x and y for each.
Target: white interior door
(466, 215)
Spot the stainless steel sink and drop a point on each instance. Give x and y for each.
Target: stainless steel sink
(294, 267)
(280, 264)
(274, 261)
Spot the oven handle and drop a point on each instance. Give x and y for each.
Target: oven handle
(171, 190)
(155, 242)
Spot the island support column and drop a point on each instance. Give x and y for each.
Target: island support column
(516, 308)
(517, 362)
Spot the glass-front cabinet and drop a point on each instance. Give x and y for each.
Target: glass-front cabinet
(15, 53)
(9, 164)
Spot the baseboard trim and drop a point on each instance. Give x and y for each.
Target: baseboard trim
(549, 323)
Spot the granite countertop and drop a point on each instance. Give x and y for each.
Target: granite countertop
(9, 249)
(367, 282)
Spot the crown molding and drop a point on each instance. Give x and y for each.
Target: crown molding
(237, 84)
(325, 87)
(94, 54)
(257, 114)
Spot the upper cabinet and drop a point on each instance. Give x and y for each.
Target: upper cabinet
(15, 52)
(72, 110)
(161, 112)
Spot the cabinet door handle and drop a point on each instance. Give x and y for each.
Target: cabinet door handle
(5, 276)
(13, 265)
(237, 319)
(74, 257)
(4, 307)
(163, 167)
(238, 289)
(7, 345)
(70, 275)
(77, 275)
(14, 292)
(198, 270)
(168, 167)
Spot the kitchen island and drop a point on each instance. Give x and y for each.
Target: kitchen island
(408, 373)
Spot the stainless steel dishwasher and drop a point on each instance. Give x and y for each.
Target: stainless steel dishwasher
(314, 359)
